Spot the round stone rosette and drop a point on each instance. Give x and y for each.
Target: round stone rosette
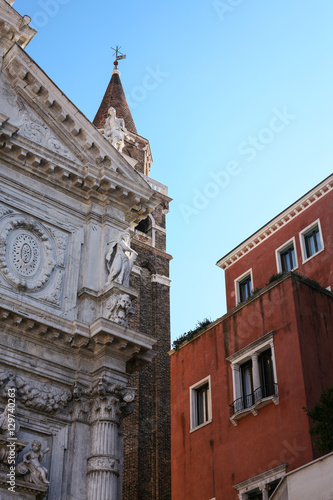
(26, 254)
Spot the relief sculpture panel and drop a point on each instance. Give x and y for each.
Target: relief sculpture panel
(32, 256)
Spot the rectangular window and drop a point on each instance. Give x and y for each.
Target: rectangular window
(312, 242)
(245, 289)
(247, 384)
(288, 259)
(254, 378)
(311, 239)
(266, 373)
(200, 403)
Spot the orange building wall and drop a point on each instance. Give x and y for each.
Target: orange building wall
(262, 258)
(207, 462)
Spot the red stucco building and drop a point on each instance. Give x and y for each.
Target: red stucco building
(238, 386)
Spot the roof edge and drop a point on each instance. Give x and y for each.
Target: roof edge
(255, 296)
(277, 222)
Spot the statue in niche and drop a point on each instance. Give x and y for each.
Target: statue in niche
(120, 260)
(120, 307)
(115, 130)
(31, 467)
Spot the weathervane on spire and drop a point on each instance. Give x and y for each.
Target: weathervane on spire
(118, 55)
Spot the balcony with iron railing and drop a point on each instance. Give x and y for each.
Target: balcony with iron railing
(252, 402)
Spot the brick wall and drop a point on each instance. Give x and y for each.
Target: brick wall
(147, 431)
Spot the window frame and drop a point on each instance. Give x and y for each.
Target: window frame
(262, 481)
(283, 247)
(194, 390)
(239, 358)
(302, 235)
(237, 282)
(246, 371)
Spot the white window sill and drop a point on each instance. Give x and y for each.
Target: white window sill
(293, 269)
(253, 409)
(314, 255)
(201, 425)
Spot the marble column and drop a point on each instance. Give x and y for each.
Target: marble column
(110, 405)
(256, 377)
(264, 492)
(104, 461)
(243, 496)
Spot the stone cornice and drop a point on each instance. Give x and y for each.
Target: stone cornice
(24, 487)
(277, 223)
(86, 182)
(268, 337)
(162, 280)
(14, 28)
(156, 251)
(103, 174)
(269, 475)
(125, 343)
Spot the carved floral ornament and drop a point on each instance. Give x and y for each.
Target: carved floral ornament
(49, 399)
(106, 464)
(104, 400)
(34, 129)
(30, 252)
(32, 394)
(26, 254)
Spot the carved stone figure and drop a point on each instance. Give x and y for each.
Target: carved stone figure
(120, 260)
(120, 307)
(4, 421)
(115, 130)
(31, 467)
(8, 417)
(33, 128)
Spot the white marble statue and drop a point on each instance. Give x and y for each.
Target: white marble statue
(120, 260)
(115, 130)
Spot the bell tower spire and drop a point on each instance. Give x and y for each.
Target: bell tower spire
(115, 97)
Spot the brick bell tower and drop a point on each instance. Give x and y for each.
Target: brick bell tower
(146, 466)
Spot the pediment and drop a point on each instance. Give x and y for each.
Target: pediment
(32, 127)
(29, 123)
(44, 115)
(45, 131)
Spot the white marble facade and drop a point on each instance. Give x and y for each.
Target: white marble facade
(65, 346)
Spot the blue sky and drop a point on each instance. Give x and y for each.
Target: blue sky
(235, 98)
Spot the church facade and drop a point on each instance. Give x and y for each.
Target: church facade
(84, 293)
